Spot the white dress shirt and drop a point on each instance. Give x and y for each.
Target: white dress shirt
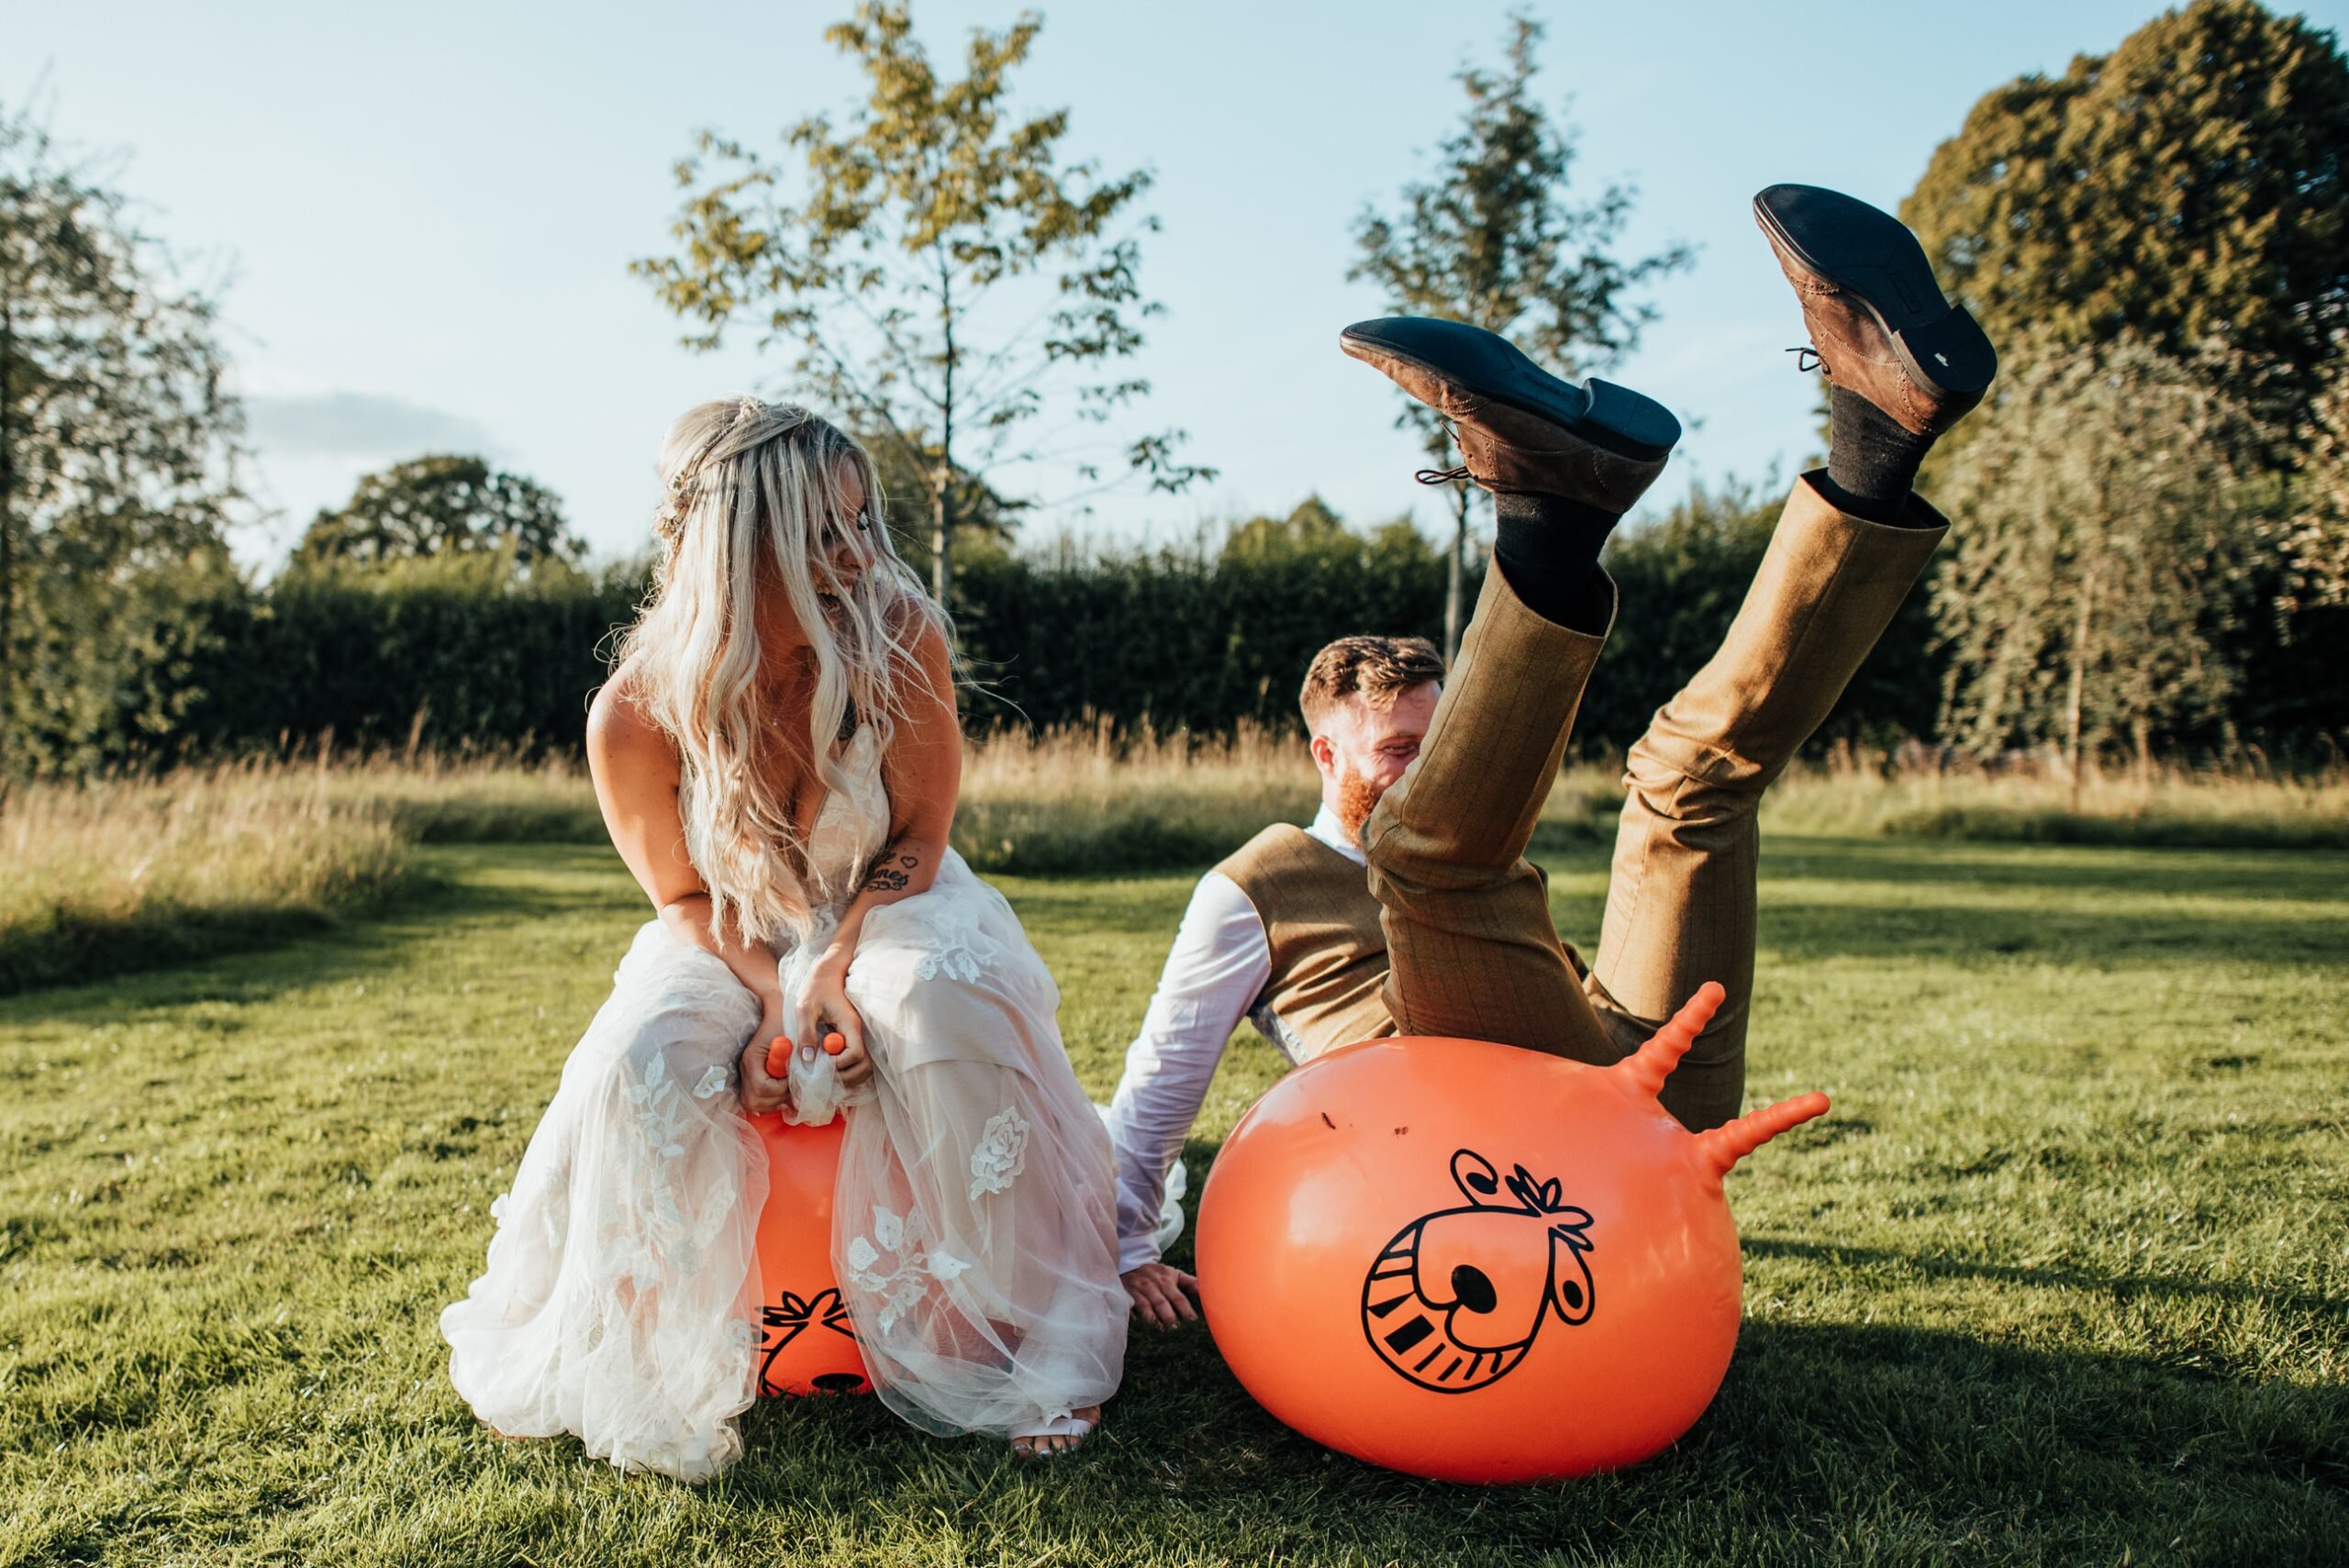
(1215, 976)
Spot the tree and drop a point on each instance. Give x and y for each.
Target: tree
(2315, 546)
(442, 505)
(1492, 241)
(981, 515)
(119, 455)
(944, 280)
(2086, 597)
(1311, 527)
(2188, 188)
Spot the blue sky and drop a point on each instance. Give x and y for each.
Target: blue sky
(424, 213)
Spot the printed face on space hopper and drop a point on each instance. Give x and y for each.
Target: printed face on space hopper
(1455, 1299)
(782, 1321)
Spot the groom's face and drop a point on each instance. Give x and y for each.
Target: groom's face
(1360, 749)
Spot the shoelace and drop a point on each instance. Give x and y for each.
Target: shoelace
(1441, 475)
(1809, 360)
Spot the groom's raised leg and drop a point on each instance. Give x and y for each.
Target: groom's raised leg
(1847, 550)
(1681, 901)
(1470, 947)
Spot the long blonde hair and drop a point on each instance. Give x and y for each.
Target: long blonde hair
(754, 498)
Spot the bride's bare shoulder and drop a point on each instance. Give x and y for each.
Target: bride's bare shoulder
(921, 635)
(621, 731)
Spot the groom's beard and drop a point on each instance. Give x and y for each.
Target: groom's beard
(1357, 797)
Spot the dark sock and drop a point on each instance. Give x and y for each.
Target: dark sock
(1871, 459)
(1547, 547)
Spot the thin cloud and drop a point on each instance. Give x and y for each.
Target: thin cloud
(357, 425)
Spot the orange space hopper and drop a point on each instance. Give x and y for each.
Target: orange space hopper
(806, 1344)
(1478, 1262)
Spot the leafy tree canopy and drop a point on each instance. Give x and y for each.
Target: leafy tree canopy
(2110, 533)
(983, 516)
(940, 275)
(1493, 241)
(2188, 188)
(2315, 551)
(1492, 238)
(1310, 526)
(118, 458)
(440, 505)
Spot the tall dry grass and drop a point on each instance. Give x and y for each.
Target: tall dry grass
(2032, 800)
(1072, 801)
(128, 873)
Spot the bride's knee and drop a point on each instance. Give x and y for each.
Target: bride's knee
(945, 1007)
(670, 1041)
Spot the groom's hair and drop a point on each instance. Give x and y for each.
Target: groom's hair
(1379, 669)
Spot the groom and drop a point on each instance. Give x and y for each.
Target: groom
(1408, 907)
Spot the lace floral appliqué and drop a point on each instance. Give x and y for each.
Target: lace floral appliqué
(656, 1102)
(958, 958)
(899, 1287)
(956, 947)
(657, 1238)
(1002, 1153)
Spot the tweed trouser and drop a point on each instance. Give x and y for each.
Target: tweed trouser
(1472, 947)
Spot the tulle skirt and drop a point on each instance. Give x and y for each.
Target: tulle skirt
(976, 1240)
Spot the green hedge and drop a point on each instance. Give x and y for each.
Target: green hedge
(1199, 639)
(487, 663)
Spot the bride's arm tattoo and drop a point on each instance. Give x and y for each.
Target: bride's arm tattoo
(893, 869)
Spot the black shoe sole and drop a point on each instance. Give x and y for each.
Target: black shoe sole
(1613, 418)
(1871, 256)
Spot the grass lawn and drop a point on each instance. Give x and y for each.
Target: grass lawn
(2063, 1277)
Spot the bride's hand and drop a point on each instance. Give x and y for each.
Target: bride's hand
(760, 1090)
(826, 1002)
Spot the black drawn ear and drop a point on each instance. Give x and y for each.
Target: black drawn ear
(1474, 1175)
(1570, 1226)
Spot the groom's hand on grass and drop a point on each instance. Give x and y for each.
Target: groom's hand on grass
(1162, 1295)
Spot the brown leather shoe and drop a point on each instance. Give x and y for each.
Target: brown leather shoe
(1876, 318)
(1520, 429)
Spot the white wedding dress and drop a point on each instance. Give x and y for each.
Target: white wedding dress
(975, 1233)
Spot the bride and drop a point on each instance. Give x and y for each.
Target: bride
(777, 757)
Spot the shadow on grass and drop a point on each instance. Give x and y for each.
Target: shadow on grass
(1828, 1441)
(2158, 872)
(2035, 904)
(2159, 1287)
(76, 949)
(1877, 1438)
(1993, 824)
(452, 888)
(1795, 931)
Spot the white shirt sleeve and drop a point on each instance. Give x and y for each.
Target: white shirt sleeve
(1219, 964)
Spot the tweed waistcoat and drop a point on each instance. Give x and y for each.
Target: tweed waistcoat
(1329, 952)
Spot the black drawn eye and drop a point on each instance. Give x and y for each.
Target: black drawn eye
(1571, 1292)
(1472, 1289)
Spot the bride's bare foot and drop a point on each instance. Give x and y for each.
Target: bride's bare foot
(1058, 1436)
